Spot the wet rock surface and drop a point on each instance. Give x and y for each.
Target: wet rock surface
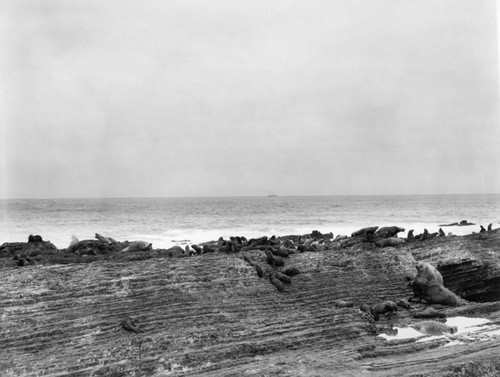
(213, 315)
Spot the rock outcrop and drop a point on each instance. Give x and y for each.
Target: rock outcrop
(212, 315)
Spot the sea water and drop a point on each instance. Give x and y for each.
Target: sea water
(175, 221)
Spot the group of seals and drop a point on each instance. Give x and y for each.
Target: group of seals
(23, 260)
(275, 252)
(428, 285)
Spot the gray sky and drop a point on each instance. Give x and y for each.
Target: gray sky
(202, 98)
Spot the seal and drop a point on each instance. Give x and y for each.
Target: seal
(482, 229)
(365, 308)
(427, 274)
(391, 241)
(35, 238)
(131, 325)
(248, 260)
(490, 226)
(365, 231)
(276, 282)
(386, 307)
(280, 252)
(389, 231)
(188, 250)
(260, 272)
(291, 271)
(278, 262)
(138, 246)
(441, 233)
(269, 258)
(74, 241)
(434, 328)
(403, 303)
(102, 238)
(410, 236)
(429, 312)
(208, 249)
(439, 294)
(284, 278)
(343, 304)
(21, 260)
(197, 249)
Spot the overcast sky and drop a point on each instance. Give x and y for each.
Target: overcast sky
(214, 98)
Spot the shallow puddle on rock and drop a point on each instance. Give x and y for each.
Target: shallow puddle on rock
(465, 326)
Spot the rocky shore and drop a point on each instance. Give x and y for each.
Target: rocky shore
(274, 306)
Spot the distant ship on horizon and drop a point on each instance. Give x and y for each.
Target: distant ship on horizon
(272, 196)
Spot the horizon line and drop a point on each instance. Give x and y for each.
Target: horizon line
(235, 196)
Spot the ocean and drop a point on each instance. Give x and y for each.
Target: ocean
(166, 222)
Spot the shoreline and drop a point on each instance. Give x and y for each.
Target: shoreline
(182, 237)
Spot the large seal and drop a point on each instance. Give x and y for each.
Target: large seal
(389, 231)
(391, 241)
(138, 246)
(365, 231)
(439, 294)
(434, 328)
(427, 275)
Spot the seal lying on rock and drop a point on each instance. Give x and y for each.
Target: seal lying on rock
(102, 238)
(365, 231)
(131, 325)
(403, 303)
(434, 328)
(439, 294)
(343, 304)
(284, 278)
(138, 246)
(291, 271)
(429, 312)
(391, 241)
(276, 282)
(387, 307)
(389, 231)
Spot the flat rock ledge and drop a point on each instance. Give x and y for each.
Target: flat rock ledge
(211, 314)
